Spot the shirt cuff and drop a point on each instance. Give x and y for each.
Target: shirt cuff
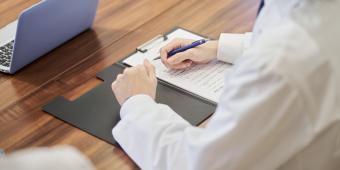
(231, 46)
(129, 106)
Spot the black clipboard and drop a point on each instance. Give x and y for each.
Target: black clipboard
(97, 111)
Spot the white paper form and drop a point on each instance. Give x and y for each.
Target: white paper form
(205, 80)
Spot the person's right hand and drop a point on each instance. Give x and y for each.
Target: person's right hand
(198, 55)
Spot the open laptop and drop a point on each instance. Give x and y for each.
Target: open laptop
(41, 28)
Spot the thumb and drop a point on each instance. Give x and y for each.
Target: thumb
(149, 68)
(180, 57)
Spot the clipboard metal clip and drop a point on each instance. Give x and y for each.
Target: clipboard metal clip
(151, 43)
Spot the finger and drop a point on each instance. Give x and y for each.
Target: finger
(183, 65)
(180, 57)
(176, 43)
(120, 76)
(117, 80)
(149, 68)
(164, 57)
(113, 85)
(133, 70)
(127, 70)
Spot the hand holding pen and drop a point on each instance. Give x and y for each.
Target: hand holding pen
(182, 53)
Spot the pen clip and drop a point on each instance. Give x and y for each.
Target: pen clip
(144, 47)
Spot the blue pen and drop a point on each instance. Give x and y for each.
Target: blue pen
(182, 49)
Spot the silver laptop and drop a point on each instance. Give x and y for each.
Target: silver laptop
(41, 28)
(7, 35)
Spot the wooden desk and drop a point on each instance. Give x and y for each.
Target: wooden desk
(70, 70)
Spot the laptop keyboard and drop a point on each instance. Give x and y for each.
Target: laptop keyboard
(6, 54)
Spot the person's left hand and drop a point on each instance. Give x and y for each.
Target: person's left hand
(140, 79)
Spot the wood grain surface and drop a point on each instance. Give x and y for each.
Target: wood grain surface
(69, 70)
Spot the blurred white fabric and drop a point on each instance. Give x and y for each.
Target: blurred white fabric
(55, 158)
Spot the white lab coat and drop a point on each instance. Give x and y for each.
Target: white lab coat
(280, 107)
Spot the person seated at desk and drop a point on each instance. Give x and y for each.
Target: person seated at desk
(280, 108)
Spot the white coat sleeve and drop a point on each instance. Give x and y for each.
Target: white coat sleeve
(151, 134)
(231, 46)
(258, 125)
